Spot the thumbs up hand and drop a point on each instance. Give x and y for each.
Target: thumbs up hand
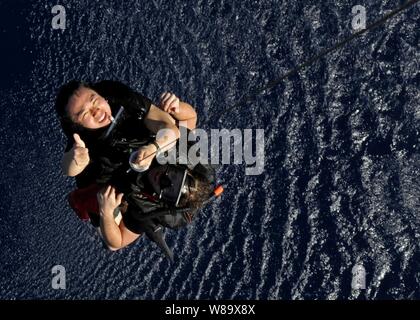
(78, 141)
(80, 152)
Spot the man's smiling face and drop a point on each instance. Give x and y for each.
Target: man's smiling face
(88, 109)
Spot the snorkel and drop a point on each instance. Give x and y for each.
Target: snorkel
(114, 122)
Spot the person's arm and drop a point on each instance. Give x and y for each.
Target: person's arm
(115, 236)
(77, 159)
(179, 110)
(167, 134)
(157, 120)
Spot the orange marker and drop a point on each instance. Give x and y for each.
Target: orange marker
(218, 191)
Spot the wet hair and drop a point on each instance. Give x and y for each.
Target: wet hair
(63, 97)
(199, 193)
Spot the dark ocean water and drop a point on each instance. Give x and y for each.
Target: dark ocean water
(342, 165)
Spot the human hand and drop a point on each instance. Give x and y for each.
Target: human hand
(108, 200)
(169, 103)
(80, 153)
(145, 155)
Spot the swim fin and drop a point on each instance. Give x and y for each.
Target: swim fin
(155, 233)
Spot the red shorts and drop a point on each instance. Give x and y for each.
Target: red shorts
(83, 201)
